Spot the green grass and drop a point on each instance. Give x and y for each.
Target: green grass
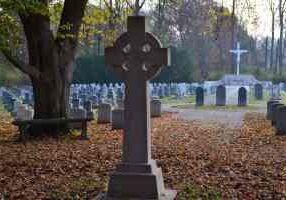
(178, 101)
(214, 107)
(189, 102)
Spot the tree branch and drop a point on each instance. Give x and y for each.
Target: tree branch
(72, 15)
(142, 4)
(25, 68)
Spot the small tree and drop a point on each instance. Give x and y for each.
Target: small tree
(51, 52)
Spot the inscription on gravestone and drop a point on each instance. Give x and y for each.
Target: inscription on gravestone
(137, 56)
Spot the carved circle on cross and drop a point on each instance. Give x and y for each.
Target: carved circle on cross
(140, 52)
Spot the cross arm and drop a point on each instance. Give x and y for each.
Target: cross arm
(159, 57)
(114, 57)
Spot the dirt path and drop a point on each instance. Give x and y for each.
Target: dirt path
(227, 117)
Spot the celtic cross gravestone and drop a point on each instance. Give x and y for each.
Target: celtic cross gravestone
(137, 56)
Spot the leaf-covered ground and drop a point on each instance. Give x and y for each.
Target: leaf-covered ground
(200, 160)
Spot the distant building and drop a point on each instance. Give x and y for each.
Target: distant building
(238, 80)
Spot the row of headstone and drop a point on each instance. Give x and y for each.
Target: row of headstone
(221, 96)
(116, 116)
(276, 112)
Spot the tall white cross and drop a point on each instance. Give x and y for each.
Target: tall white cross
(238, 53)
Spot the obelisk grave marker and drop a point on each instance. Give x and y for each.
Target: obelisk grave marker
(137, 56)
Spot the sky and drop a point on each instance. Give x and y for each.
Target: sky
(263, 27)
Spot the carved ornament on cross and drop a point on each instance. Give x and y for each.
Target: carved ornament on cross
(137, 52)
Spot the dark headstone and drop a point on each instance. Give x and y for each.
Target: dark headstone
(242, 96)
(269, 108)
(199, 96)
(258, 91)
(220, 96)
(156, 110)
(87, 105)
(280, 120)
(274, 107)
(75, 103)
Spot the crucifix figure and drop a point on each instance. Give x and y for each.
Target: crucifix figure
(238, 53)
(137, 57)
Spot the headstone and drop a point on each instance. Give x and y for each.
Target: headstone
(104, 113)
(120, 103)
(242, 96)
(27, 99)
(117, 118)
(258, 91)
(280, 120)
(199, 96)
(95, 101)
(87, 105)
(75, 103)
(77, 113)
(156, 110)
(23, 112)
(220, 96)
(274, 107)
(269, 108)
(137, 56)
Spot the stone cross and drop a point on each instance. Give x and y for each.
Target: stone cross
(137, 56)
(238, 53)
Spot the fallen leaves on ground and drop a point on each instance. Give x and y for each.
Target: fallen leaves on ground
(244, 163)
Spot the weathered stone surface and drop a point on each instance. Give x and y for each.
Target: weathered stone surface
(269, 108)
(258, 91)
(137, 57)
(281, 120)
(242, 97)
(156, 108)
(117, 118)
(76, 113)
(23, 112)
(273, 113)
(199, 96)
(104, 113)
(87, 105)
(220, 96)
(75, 103)
(120, 103)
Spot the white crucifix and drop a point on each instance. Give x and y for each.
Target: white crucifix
(238, 53)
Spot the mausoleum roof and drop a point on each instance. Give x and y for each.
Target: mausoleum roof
(244, 79)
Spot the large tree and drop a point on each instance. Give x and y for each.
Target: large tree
(50, 52)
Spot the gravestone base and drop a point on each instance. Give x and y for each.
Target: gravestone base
(138, 182)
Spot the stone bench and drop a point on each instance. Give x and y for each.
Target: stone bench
(23, 125)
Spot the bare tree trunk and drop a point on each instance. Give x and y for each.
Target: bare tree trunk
(266, 54)
(272, 42)
(281, 23)
(277, 57)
